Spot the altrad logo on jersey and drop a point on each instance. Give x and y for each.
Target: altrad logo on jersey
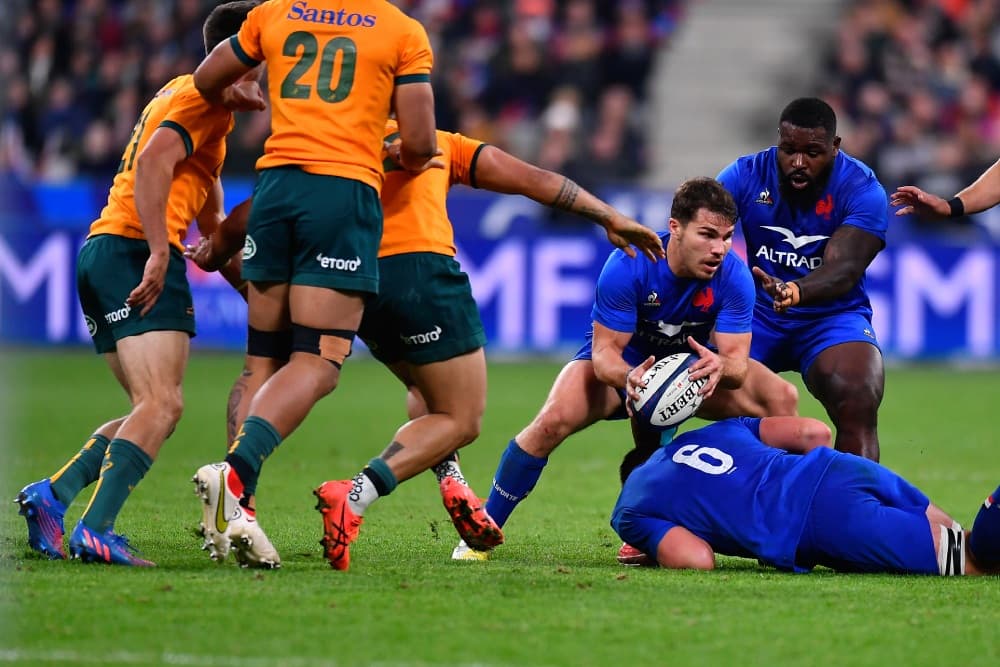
(301, 11)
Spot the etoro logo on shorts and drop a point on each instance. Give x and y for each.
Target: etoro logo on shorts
(339, 264)
(422, 338)
(249, 247)
(118, 315)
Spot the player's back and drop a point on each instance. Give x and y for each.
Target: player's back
(179, 107)
(414, 205)
(332, 67)
(726, 486)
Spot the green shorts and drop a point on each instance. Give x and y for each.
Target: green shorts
(308, 229)
(424, 311)
(108, 268)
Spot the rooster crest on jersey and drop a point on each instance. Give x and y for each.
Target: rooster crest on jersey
(670, 396)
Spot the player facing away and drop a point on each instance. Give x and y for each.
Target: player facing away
(813, 219)
(335, 70)
(774, 490)
(132, 283)
(424, 324)
(701, 295)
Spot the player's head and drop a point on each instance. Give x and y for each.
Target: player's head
(225, 21)
(702, 218)
(807, 145)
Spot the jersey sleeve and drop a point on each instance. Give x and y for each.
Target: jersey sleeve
(198, 122)
(868, 209)
(618, 293)
(730, 177)
(736, 312)
(416, 60)
(464, 154)
(246, 43)
(641, 531)
(752, 424)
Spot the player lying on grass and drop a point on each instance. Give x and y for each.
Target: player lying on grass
(422, 289)
(774, 490)
(136, 299)
(701, 295)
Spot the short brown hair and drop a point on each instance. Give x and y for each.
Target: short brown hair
(699, 193)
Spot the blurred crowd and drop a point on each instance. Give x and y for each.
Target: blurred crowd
(917, 87)
(559, 82)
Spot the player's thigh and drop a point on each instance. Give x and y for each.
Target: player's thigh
(840, 351)
(267, 306)
(456, 386)
(153, 362)
(578, 398)
(763, 394)
(866, 518)
(108, 269)
(424, 312)
(851, 371)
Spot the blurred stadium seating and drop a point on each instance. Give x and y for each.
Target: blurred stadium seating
(562, 83)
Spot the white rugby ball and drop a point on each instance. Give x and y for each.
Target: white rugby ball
(670, 396)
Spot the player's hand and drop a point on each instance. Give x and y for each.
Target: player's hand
(153, 278)
(915, 201)
(709, 365)
(393, 151)
(785, 294)
(243, 96)
(624, 233)
(634, 382)
(202, 255)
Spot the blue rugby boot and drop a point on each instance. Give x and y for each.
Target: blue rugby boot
(44, 515)
(93, 547)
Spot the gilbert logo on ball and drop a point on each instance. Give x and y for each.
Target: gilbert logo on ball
(670, 396)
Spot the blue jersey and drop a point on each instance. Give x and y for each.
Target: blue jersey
(726, 486)
(788, 242)
(662, 310)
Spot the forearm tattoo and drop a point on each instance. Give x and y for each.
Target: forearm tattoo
(567, 195)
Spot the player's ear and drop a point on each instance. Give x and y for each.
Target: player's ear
(674, 225)
(836, 145)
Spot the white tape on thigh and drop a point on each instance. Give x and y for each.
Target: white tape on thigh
(951, 551)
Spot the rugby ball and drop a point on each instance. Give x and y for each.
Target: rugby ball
(669, 396)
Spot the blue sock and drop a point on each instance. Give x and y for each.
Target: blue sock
(667, 436)
(984, 541)
(515, 477)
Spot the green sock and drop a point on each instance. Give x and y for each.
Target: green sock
(80, 471)
(256, 441)
(124, 466)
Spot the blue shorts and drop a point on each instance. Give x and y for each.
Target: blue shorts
(793, 345)
(866, 518)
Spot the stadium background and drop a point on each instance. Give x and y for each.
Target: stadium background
(628, 98)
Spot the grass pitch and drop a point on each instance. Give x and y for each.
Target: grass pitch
(553, 595)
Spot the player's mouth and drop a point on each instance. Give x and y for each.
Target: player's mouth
(711, 266)
(799, 180)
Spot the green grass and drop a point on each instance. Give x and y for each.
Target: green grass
(553, 595)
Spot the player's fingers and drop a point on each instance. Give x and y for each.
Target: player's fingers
(628, 250)
(761, 275)
(648, 363)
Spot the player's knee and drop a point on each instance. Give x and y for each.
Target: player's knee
(783, 401)
(552, 425)
(816, 433)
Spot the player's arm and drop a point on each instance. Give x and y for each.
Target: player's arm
(209, 220)
(680, 549)
(727, 368)
(798, 435)
(414, 105)
(498, 171)
(610, 366)
(224, 78)
(213, 252)
(154, 173)
(848, 253)
(982, 194)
